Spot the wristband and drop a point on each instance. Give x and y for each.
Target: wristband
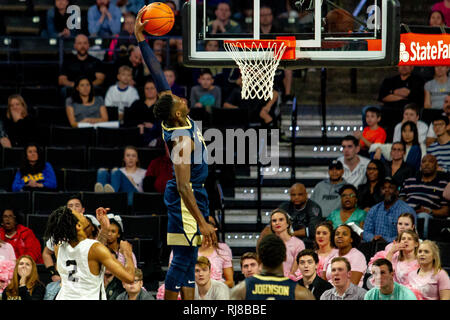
(52, 271)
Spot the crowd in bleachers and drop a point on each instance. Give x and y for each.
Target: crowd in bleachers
(386, 192)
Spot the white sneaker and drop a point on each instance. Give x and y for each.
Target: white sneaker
(99, 187)
(109, 188)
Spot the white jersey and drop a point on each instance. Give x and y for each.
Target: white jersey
(77, 281)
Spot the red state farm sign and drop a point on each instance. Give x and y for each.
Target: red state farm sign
(424, 49)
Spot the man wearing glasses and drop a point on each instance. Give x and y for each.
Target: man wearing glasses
(135, 291)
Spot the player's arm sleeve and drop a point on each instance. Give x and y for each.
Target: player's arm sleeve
(154, 66)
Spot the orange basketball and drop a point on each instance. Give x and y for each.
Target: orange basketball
(161, 19)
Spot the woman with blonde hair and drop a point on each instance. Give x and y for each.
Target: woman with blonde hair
(19, 125)
(430, 281)
(25, 284)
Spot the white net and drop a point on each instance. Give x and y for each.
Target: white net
(257, 64)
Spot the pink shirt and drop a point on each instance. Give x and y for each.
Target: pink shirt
(220, 259)
(403, 268)
(7, 252)
(293, 246)
(442, 8)
(354, 256)
(320, 266)
(430, 285)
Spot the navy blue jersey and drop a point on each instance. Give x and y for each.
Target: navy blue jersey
(261, 287)
(182, 227)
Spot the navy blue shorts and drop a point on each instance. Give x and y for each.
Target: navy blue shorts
(181, 271)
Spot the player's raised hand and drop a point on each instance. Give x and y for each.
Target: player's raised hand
(139, 25)
(101, 214)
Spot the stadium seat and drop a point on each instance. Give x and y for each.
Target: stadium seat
(51, 115)
(12, 157)
(20, 201)
(45, 202)
(444, 248)
(200, 114)
(118, 137)
(40, 74)
(229, 118)
(37, 223)
(21, 25)
(148, 203)
(40, 94)
(117, 202)
(141, 227)
(67, 136)
(104, 157)
(66, 157)
(79, 179)
(146, 155)
(6, 178)
(439, 230)
(113, 113)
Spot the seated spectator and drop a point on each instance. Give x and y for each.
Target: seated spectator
(159, 171)
(385, 286)
(122, 94)
(341, 278)
(441, 148)
(104, 19)
(424, 192)
(223, 23)
(431, 135)
(444, 7)
(397, 167)
(403, 256)
(57, 21)
(133, 59)
(414, 150)
(372, 133)
(82, 64)
(84, 107)
(369, 193)
(205, 94)
(20, 127)
(411, 113)
(125, 40)
(354, 165)
(25, 284)
(326, 192)
(436, 19)
(323, 245)
(349, 211)
(113, 286)
(380, 223)
(20, 237)
(171, 78)
(346, 242)
(431, 281)
(206, 288)
(135, 291)
(115, 235)
(307, 261)
(128, 178)
(34, 173)
(250, 264)
(131, 6)
(7, 251)
(437, 89)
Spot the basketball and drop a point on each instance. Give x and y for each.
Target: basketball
(161, 19)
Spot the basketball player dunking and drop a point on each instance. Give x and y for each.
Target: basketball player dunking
(185, 196)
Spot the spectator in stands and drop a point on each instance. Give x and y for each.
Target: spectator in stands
(354, 165)
(81, 64)
(223, 23)
(307, 261)
(411, 113)
(341, 278)
(431, 135)
(20, 237)
(104, 19)
(326, 192)
(431, 282)
(135, 291)
(125, 40)
(346, 242)
(128, 178)
(159, 171)
(372, 133)
(84, 107)
(205, 94)
(380, 223)
(436, 19)
(220, 257)
(122, 94)
(444, 7)
(113, 286)
(349, 211)
(437, 89)
(131, 6)
(20, 127)
(397, 167)
(34, 173)
(369, 193)
(25, 284)
(441, 148)
(323, 245)
(171, 78)
(385, 286)
(57, 21)
(115, 235)
(7, 251)
(403, 255)
(250, 264)
(424, 192)
(133, 59)
(206, 288)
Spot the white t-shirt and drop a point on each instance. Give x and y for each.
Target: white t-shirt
(422, 129)
(138, 177)
(218, 291)
(122, 98)
(358, 175)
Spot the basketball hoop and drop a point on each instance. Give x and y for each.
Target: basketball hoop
(258, 60)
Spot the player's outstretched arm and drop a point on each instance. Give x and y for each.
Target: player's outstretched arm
(149, 57)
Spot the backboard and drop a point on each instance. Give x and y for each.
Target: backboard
(328, 33)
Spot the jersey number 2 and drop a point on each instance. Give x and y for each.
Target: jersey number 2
(72, 272)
